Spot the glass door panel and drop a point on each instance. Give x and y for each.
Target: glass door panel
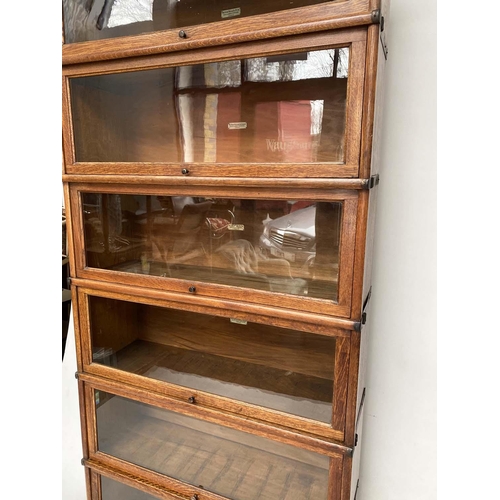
(225, 461)
(86, 20)
(290, 247)
(286, 370)
(114, 490)
(284, 109)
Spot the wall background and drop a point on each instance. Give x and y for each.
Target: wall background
(400, 429)
(399, 442)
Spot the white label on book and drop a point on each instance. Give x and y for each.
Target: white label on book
(236, 125)
(230, 13)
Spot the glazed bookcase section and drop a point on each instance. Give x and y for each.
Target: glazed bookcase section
(103, 24)
(291, 377)
(195, 456)
(294, 253)
(288, 109)
(98, 20)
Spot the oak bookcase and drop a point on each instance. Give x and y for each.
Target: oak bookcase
(220, 174)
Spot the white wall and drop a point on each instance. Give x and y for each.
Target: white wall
(399, 434)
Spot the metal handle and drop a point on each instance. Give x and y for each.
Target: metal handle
(182, 34)
(192, 289)
(185, 171)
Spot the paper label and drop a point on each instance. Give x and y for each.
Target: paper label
(230, 13)
(238, 321)
(236, 227)
(237, 125)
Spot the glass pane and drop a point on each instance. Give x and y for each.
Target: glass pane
(280, 109)
(287, 370)
(289, 247)
(113, 490)
(86, 20)
(231, 463)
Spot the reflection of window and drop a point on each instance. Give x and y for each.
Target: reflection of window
(330, 63)
(286, 108)
(316, 64)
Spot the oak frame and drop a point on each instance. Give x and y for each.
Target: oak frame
(353, 38)
(152, 49)
(115, 467)
(333, 430)
(340, 308)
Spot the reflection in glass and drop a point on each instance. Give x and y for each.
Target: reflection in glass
(113, 490)
(225, 461)
(280, 109)
(86, 20)
(283, 369)
(289, 247)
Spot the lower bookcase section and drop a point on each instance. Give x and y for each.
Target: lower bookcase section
(172, 455)
(225, 461)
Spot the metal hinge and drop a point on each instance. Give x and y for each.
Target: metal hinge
(374, 181)
(68, 283)
(361, 405)
(378, 18)
(356, 492)
(363, 311)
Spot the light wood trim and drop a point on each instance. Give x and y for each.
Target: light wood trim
(359, 256)
(222, 405)
(354, 102)
(350, 428)
(314, 323)
(335, 477)
(95, 482)
(225, 294)
(347, 249)
(325, 16)
(333, 431)
(259, 190)
(344, 493)
(69, 229)
(84, 317)
(228, 183)
(67, 123)
(370, 90)
(83, 419)
(90, 412)
(341, 381)
(273, 432)
(253, 48)
(341, 308)
(146, 480)
(77, 231)
(355, 39)
(153, 172)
